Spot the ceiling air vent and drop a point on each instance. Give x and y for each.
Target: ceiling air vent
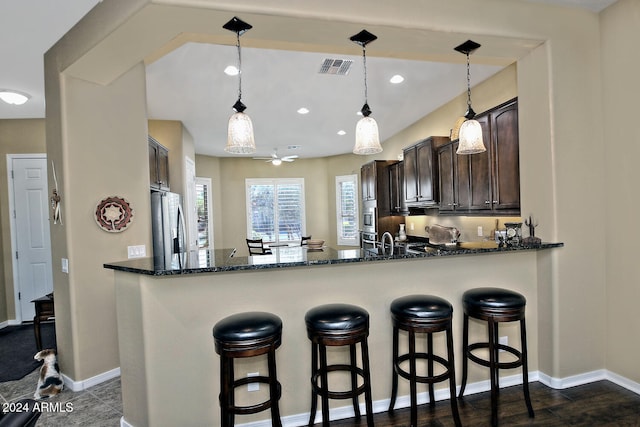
(340, 67)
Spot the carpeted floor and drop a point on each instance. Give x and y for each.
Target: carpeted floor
(17, 348)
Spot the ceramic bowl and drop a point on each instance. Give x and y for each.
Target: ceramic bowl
(315, 243)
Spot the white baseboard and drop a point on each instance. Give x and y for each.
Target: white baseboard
(90, 382)
(10, 322)
(401, 402)
(623, 382)
(404, 401)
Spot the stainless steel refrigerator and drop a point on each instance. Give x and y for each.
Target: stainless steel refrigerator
(168, 229)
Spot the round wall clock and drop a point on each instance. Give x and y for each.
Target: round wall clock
(113, 214)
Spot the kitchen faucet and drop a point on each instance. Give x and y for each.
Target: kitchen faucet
(385, 236)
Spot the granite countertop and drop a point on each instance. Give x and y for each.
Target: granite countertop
(220, 260)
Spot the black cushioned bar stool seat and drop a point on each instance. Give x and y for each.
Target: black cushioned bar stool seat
(247, 335)
(424, 314)
(495, 305)
(338, 325)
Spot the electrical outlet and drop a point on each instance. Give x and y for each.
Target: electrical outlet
(65, 265)
(253, 386)
(480, 233)
(411, 226)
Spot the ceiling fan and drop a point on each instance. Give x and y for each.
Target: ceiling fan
(275, 160)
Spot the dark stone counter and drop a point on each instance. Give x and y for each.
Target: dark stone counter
(220, 260)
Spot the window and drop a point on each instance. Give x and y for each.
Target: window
(275, 209)
(203, 209)
(347, 209)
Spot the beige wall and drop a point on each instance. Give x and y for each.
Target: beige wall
(16, 137)
(561, 139)
(620, 32)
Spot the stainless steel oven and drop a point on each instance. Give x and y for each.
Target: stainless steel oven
(369, 219)
(369, 233)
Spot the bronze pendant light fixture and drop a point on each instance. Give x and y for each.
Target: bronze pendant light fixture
(240, 138)
(367, 136)
(470, 136)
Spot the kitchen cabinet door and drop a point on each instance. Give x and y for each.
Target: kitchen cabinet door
(505, 154)
(421, 172)
(396, 189)
(427, 187)
(453, 178)
(480, 194)
(368, 181)
(374, 178)
(410, 175)
(158, 165)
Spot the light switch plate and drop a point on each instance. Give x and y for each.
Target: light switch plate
(138, 251)
(65, 265)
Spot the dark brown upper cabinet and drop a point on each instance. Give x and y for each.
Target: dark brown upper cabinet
(374, 180)
(421, 172)
(397, 205)
(158, 165)
(485, 183)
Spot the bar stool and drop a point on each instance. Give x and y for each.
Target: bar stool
(495, 305)
(247, 335)
(338, 325)
(423, 314)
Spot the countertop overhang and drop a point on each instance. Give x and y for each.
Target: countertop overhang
(226, 260)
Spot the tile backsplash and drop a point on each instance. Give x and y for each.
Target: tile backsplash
(470, 227)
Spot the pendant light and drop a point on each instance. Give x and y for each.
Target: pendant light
(470, 136)
(367, 137)
(240, 131)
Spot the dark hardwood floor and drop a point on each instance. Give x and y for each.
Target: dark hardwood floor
(599, 404)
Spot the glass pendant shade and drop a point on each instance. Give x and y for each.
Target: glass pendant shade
(367, 137)
(470, 138)
(240, 135)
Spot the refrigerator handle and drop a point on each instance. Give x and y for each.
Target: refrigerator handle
(179, 242)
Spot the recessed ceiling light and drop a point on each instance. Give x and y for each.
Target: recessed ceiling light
(303, 110)
(13, 97)
(341, 132)
(231, 70)
(396, 79)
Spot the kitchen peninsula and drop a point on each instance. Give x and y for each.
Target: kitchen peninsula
(165, 317)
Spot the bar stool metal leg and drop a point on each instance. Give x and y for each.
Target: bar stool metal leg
(368, 400)
(354, 381)
(394, 371)
(452, 379)
(412, 379)
(274, 392)
(314, 395)
(493, 370)
(525, 367)
(465, 350)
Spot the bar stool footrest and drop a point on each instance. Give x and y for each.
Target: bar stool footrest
(501, 365)
(258, 407)
(424, 379)
(338, 394)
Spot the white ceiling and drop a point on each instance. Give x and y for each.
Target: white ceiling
(189, 85)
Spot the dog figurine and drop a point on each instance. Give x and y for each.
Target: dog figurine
(49, 382)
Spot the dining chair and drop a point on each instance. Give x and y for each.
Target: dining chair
(256, 247)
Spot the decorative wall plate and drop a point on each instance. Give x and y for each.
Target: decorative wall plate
(114, 214)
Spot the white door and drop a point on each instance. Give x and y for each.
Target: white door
(32, 242)
(190, 208)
